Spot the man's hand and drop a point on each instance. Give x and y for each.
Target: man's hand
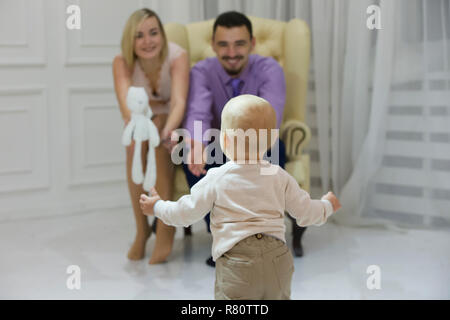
(196, 155)
(148, 203)
(334, 201)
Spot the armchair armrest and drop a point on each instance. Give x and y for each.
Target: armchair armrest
(295, 135)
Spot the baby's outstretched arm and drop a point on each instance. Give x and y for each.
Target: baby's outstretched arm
(188, 209)
(308, 211)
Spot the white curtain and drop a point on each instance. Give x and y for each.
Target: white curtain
(379, 103)
(359, 113)
(388, 157)
(400, 173)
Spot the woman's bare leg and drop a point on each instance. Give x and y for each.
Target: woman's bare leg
(164, 185)
(143, 230)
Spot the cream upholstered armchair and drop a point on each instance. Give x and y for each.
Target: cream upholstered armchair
(289, 44)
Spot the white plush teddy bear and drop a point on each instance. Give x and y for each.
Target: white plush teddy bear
(141, 128)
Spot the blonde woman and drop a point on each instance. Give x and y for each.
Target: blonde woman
(148, 60)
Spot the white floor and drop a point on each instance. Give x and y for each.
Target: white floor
(35, 255)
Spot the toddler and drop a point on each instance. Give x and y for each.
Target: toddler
(247, 197)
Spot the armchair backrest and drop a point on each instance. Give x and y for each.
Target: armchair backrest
(286, 42)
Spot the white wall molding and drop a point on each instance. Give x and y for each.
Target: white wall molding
(25, 159)
(94, 45)
(22, 43)
(96, 154)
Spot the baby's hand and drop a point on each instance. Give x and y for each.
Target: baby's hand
(148, 203)
(334, 201)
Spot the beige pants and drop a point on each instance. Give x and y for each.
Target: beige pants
(259, 267)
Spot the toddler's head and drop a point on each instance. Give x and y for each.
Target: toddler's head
(248, 128)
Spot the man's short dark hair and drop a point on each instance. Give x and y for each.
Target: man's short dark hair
(233, 19)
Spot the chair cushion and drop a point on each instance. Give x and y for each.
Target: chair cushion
(296, 169)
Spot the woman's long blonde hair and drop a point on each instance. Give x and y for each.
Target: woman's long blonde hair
(129, 35)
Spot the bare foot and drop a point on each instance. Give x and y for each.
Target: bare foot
(137, 250)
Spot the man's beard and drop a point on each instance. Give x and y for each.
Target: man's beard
(232, 72)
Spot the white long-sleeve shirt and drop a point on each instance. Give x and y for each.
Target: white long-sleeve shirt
(243, 202)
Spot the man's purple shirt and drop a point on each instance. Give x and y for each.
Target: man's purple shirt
(210, 89)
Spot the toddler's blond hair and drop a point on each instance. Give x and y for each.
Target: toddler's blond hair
(248, 128)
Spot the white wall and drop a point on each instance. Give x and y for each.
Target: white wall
(60, 127)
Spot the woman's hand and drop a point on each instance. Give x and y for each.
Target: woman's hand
(169, 139)
(164, 135)
(126, 119)
(160, 122)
